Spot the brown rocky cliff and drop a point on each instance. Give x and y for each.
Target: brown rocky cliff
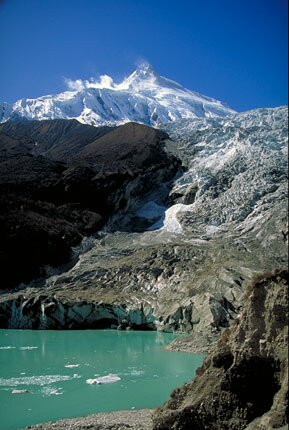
(243, 383)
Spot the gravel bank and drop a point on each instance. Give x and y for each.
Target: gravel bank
(195, 343)
(120, 420)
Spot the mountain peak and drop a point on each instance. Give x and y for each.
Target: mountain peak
(143, 75)
(144, 97)
(146, 69)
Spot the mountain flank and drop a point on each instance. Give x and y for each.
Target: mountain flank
(61, 181)
(177, 251)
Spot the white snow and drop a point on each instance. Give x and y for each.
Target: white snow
(144, 97)
(171, 222)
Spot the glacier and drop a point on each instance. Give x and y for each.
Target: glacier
(237, 167)
(143, 97)
(225, 222)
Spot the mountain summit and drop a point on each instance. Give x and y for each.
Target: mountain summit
(142, 76)
(143, 97)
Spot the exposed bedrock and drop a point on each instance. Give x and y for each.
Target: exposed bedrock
(243, 383)
(60, 181)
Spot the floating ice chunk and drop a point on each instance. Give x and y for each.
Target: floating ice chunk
(7, 347)
(19, 391)
(136, 372)
(108, 379)
(28, 347)
(51, 391)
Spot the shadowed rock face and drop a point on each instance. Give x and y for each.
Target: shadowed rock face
(60, 181)
(243, 383)
(55, 139)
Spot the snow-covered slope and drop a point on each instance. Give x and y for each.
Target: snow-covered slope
(143, 97)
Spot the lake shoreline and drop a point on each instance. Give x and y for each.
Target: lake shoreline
(195, 342)
(123, 420)
(119, 420)
(62, 375)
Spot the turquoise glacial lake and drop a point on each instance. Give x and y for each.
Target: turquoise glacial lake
(54, 366)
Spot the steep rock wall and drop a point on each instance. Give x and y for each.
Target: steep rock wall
(243, 383)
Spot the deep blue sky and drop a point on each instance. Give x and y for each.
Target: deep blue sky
(232, 50)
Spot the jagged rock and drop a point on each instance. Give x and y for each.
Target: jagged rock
(48, 206)
(243, 383)
(40, 312)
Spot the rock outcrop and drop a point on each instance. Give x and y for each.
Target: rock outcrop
(60, 181)
(243, 383)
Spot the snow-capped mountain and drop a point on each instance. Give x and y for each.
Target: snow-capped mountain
(143, 97)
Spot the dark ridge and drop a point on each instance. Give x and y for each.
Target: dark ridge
(57, 139)
(61, 180)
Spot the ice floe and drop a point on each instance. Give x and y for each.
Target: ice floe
(28, 347)
(108, 379)
(51, 391)
(36, 380)
(136, 372)
(7, 347)
(71, 366)
(19, 391)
